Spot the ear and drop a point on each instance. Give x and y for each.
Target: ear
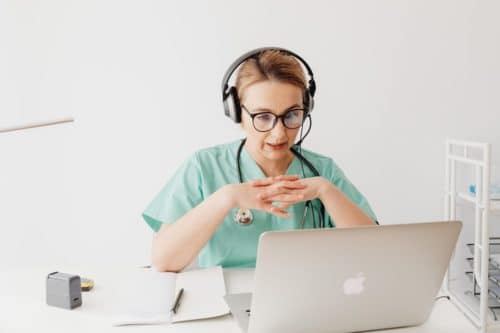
(243, 124)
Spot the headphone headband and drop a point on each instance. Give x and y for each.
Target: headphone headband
(230, 99)
(256, 52)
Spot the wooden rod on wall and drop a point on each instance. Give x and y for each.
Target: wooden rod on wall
(36, 124)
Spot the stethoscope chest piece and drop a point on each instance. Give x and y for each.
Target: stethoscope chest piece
(243, 216)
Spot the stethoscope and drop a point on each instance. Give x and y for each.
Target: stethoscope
(244, 216)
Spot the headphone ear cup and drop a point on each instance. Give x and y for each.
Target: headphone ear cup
(312, 87)
(232, 108)
(308, 102)
(311, 103)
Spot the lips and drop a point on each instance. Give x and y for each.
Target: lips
(278, 146)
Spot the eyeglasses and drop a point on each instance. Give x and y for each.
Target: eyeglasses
(265, 121)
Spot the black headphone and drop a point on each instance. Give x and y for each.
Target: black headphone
(230, 99)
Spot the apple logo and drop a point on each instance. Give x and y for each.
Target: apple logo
(354, 285)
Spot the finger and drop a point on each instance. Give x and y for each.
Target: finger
(293, 197)
(262, 182)
(270, 180)
(280, 212)
(271, 193)
(281, 189)
(286, 177)
(285, 205)
(292, 184)
(276, 210)
(284, 187)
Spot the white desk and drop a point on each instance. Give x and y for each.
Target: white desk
(23, 308)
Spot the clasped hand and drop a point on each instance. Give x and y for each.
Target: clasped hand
(285, 190)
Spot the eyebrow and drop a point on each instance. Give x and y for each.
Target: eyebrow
(269, 110)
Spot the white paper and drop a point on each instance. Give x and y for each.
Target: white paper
(146, 297)
(203, 295)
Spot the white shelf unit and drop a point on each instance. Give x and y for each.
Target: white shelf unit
(458, 153)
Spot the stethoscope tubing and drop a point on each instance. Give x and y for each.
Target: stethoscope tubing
(244, 216)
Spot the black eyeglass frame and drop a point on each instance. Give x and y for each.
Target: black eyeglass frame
(276, 118)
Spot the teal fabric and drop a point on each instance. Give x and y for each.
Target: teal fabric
(207, 170)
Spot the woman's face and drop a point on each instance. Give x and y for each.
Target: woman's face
(278, 98)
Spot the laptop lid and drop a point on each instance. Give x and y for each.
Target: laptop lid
(350, 279)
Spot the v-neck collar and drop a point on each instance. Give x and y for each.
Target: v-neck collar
(256, 172)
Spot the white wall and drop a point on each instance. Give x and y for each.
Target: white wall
(142, 79)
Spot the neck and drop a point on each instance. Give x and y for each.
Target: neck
(272, 168)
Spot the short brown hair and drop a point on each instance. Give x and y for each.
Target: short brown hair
(270, 65)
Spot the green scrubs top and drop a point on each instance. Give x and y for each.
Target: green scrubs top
(206, 171)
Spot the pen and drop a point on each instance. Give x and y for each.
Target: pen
(177, 301)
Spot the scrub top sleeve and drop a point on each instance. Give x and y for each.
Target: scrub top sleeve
(339, 179)
(180, 194)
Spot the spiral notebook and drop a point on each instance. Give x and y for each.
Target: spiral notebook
(147, 297)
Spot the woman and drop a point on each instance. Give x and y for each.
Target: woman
(222, 198)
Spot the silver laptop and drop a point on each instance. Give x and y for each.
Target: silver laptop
(346, 280)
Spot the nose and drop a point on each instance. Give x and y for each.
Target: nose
(279, 130)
